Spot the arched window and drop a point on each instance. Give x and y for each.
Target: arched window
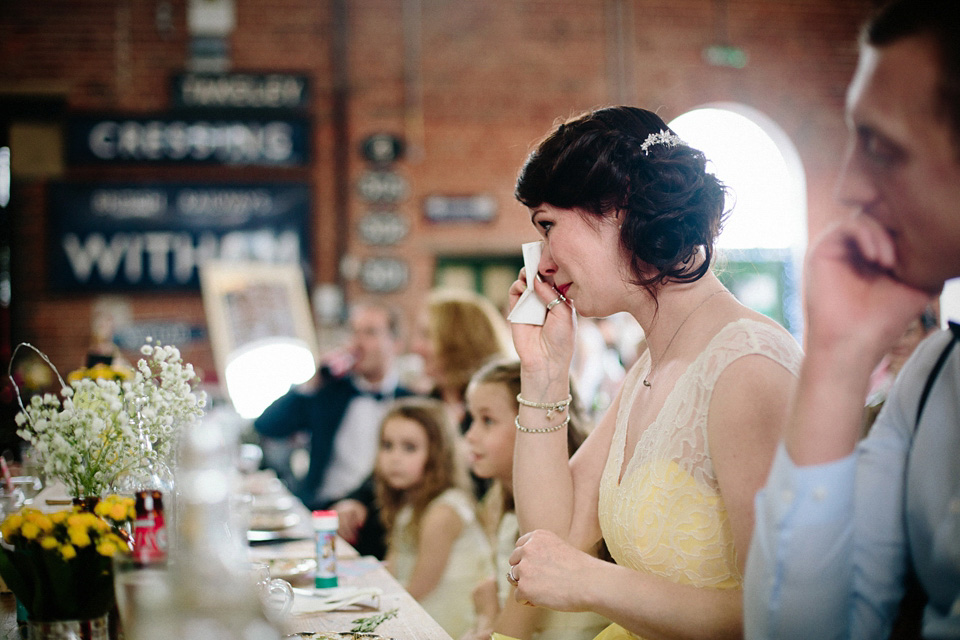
(764, 238)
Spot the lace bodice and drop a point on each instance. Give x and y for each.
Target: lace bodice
(666, 515)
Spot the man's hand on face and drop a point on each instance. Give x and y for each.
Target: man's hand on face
(853, 300)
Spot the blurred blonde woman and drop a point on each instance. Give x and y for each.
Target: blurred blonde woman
(457, 333)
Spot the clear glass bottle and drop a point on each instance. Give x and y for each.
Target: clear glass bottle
(211, 595)
(150, 473)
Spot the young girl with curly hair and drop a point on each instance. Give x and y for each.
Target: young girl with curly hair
(436, 548)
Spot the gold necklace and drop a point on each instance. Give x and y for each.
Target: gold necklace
(646, 383)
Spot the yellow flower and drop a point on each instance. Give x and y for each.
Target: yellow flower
(31, 513)
(39, 519)
(106, 547)
(29, 530)
(101, 371)
(79, 536)
(59, 517)
(68, 551)
(11, 526)
(82, 519)
(49, 543)
(102, 508)
(120, 511)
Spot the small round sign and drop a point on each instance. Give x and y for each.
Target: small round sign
(383, 228)
(382, 186)
(384, 275)
(382, 148)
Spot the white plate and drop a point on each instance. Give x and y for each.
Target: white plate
(288, 568)
(273, 521)
(273, 502)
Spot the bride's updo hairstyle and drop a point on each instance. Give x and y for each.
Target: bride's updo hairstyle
(597, 164)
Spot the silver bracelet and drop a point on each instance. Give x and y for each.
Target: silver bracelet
(549, 406)
(557, 427)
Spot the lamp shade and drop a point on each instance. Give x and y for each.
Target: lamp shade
(259, 372)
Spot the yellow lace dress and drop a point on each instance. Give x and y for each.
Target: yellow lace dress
(666, 515)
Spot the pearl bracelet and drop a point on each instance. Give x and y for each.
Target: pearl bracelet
(549, 406)
(557, 427)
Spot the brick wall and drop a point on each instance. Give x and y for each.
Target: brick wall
(470, 85)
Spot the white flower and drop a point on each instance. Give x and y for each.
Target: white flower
(94, 432)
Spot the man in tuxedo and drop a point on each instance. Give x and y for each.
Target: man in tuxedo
(340, 409)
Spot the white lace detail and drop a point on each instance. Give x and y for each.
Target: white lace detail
(666, 515)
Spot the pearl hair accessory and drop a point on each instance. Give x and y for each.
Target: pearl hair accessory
(666, 138)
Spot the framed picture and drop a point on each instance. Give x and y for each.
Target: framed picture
(251, 302)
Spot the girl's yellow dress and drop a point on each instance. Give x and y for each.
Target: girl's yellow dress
(666, 516)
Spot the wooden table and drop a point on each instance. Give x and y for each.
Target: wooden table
(8, 617)
(411, 622)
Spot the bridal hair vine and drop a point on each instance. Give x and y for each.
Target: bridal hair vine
(666, 138)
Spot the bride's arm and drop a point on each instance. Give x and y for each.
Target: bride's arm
(555, 492)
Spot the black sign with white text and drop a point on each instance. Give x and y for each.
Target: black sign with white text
(227, 139)
(240, 91)
(153, 237)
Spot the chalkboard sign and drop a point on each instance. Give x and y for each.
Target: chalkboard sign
(240, 91)
(189, 139)
(121, 236)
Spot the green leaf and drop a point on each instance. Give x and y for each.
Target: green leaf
(62, 588)
(13, 576)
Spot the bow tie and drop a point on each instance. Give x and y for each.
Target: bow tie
(954, 329)
(376, 395)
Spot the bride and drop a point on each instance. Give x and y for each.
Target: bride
(628, 217)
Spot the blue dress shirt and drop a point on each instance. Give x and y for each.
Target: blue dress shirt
(832, 543)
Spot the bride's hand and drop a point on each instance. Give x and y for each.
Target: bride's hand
(546, 349)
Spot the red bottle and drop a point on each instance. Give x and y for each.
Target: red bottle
(149, 528)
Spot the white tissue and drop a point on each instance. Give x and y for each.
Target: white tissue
(308, 601)
(529, 308)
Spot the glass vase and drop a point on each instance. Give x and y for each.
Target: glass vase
(92, 629)
(149, 472)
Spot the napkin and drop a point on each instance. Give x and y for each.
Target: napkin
(529, 309)
(307, 601)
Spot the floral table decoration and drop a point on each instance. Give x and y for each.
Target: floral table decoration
(59, 566)
(109, 421)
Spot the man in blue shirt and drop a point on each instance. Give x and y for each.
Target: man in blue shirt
(843, 526)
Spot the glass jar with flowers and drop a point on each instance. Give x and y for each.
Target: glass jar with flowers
(119, 512)
(109, 422)
(59, 566)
